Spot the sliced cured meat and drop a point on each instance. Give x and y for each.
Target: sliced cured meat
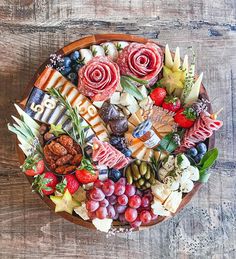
(144, 61)
(106, 154)
(202, 129)
(99, 78)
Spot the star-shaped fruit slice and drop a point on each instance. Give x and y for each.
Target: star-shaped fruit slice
(56, 129)
(65, 202)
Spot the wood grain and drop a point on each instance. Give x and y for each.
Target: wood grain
(29, 32)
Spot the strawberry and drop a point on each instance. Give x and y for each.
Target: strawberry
(185, 117)
(158, 95)
(84, 176)
(33, 165)
(171, 103)
(70, 182)
(45, 183)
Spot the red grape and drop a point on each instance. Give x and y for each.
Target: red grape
(131, 214)
(91, 215)
(145, 202)
(101, 212)
(120, 208)
(130, 190)
(135, 201)
(97, 194)
(112, 199)
(98, 183)
(123, 199)
(92, 205)
(111, 211)
(137, 223)
(108, 187)
(154, 216)
(119, 189)
(145, 216)
(122, 181)
(104, 203)
(139, 193)
(122, 218)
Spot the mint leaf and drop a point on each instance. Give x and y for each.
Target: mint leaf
(130, 88)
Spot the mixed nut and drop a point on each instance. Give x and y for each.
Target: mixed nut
(141, 174)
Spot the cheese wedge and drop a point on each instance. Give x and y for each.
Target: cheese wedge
(173, 201)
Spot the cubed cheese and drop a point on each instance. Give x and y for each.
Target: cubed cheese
(133, 107)
(143, 90)
(103, 225)
(126, 99)
(115, 98)
(161, 191)
(82, 211)
(173, 201)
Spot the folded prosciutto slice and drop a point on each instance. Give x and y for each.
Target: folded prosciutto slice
(106, 154)
(99, 78)
(144, 61)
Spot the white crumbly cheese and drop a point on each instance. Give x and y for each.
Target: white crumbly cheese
(162, 172)
(98, 104)
(194, 173)
(103, 225)
(82, 211)
(126, 99)
(173, 201)
(158, 208)
(186, 186)
(169, 163)
(133, 107)
(181, 161)
(115, 98)
(143, 90)
(161, 191)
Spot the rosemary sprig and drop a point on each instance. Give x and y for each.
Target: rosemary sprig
(78, 131)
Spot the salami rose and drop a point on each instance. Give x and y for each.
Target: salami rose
(141, 60)
(99, 78)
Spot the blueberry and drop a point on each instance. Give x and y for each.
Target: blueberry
(67, 61)
(76, 67)
(72, 77)
(65, 71)
(198, 158)
(114, 140)
(201, 148)
(192, 152)
(75, 55)
(127, 152)
(114, 175)
(120, 146)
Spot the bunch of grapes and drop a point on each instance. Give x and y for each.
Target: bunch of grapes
(120, 201)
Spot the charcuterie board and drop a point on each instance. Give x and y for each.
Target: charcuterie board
(116, 132)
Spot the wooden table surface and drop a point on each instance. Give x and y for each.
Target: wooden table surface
(30, 31)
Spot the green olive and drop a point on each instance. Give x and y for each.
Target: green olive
(137, 184)
(141, 181)
(148, 173)
(152, 180)
(143, 168)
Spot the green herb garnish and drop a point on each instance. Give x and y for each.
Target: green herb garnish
(130, 88)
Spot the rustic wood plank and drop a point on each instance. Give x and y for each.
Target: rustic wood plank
(32, 30)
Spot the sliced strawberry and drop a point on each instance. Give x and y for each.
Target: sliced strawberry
(171, 103)
(84, 176)
(158, 95)
(185, 117)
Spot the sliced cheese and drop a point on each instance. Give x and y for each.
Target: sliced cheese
(82, 211)
(173, 201)
(158, 208)
(161, 191)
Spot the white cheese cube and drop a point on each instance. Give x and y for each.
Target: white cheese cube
(173, 201)
(158, 208)
(133, 107)
(143, 90)
(115, 98)
(126, 99)
(98, 104)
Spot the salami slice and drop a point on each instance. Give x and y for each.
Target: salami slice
(141, 60)
(99, 78)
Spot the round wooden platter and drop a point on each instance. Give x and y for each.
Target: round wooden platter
(84, 43)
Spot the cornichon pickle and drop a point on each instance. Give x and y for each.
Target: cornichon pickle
(137, 185)
(143, 168)
(137, 162)
(135, 171)
(141, 181)
(152, 180)
(148, 173)
(128, 174)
